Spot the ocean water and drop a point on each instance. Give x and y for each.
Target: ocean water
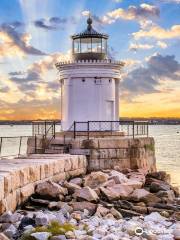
(167, 140)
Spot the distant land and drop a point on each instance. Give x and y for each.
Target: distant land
(152, 121)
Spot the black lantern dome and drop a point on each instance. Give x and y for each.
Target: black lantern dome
(89, 45)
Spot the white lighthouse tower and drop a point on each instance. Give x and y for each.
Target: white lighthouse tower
(90, 83)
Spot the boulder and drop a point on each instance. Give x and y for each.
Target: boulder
(145, 196)
(77, 181)
(95, 179)
(118, 177)
(50, 190)
(133, 183)
(116, 192)
(87, 194)
(81, 206)
(72, 187)
(159, 186)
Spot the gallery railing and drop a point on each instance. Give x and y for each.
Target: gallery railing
(110, 128)
(13, 146)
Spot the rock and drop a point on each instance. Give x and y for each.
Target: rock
(154, 217)
(102, 211)
(128, 213)
(65, 208)
(116, 213)
(165, 214)
(41, 235)
(144, 196)
(9, 217)
(176, 191)
(53, 206)
(72, 187)
(3, 237)
(176, 216)
(95, 179)
(26, 221)
(41, 219)
(141, 204)
(59, 237)
(118, 177)
(116, 192)
(133, 183)
(41, 202)
(159, 186)
(161, 175)
(86, 193)
(137, 176)
(109, 183)
(124, 204)
(81, 206)
(139, 209)
(76, 216)
(70, 235)
(10, 231)
(77, 181)
(50, 190)
(176, 233)
(166, 194)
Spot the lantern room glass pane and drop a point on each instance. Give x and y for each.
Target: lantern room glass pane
(104, 45)
(86, 45)
(96, 45)
(77, 47)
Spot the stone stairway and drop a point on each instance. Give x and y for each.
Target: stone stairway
(58, 146)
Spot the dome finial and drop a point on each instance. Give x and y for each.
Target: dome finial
(89, 22)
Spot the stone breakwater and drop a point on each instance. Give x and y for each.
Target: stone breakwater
(107, 205)
(18, 177)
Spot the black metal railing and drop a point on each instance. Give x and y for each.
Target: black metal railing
(46, 131)
(110, 128)
(13, 146)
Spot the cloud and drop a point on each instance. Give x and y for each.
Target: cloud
(158, 32)
(15, 43)
(162, 44)
(135, 46)
(144, 11)
(51, 23)
(144, 80)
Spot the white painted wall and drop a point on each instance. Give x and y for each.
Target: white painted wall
(90, 92)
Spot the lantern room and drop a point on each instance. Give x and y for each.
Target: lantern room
(89, 45)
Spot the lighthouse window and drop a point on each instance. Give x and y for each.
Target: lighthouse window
(98, 81)
(83, 80)
(77, 46)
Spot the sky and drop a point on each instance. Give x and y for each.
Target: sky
(35, 34)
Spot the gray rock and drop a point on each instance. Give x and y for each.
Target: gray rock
(41, 235)
(10, 231)
(10, 217)
(41, 219)
(77, 181)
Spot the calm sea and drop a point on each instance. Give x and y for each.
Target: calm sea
(167, 138)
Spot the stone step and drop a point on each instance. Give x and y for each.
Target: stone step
(54, 151)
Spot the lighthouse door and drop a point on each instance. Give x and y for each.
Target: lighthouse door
(110, 110)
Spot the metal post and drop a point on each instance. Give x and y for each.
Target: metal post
(74, 129)
(133, 130)
(88, 129)
(20, 142)
(1, 145)
(45, 128)
(54, 129)
(35, 143)
(147, 129)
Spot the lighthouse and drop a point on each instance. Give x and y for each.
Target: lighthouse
(90, 82)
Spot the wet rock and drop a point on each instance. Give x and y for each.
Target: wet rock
(80, 206)
(95, 179)
(118, 177)
(41, 235)
(50, 189)
(86, 193)
(116, 192)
